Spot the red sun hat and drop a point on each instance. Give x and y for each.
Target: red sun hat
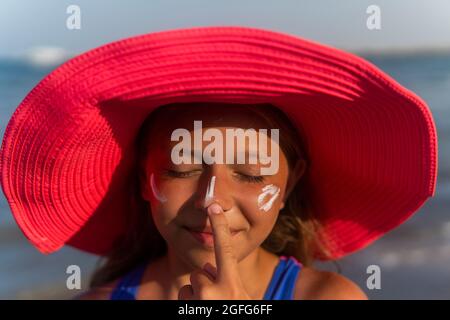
(67, 154)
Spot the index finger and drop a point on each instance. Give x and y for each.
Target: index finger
(226, 261)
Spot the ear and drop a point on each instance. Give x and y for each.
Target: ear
(294, 177)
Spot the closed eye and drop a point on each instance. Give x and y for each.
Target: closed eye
(250, 178)
(186, 174)
(181, 174)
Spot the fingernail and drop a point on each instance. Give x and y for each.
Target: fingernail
(215, 208)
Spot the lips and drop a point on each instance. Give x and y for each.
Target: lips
(205, 236)
(208, 230)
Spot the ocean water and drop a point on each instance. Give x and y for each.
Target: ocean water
(414, 259)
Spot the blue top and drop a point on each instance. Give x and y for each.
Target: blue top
(281, 286)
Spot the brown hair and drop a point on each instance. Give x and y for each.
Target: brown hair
(294, 233)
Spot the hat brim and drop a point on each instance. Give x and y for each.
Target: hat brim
(66, 155)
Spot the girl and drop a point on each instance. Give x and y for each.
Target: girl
(234, 253)
(105, 155)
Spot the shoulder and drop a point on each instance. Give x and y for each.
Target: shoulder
(98, 293)
(314, 284)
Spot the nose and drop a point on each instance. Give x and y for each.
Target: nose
(214, 187)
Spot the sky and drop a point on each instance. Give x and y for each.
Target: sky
(405, 24)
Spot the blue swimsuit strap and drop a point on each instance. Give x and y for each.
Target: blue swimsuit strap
(281, 286)
(284, 279)
(127, 287)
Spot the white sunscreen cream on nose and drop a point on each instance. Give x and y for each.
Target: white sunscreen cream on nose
(160, 197)
(210, 190)
(264, 203)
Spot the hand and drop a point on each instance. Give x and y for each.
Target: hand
(223, 283)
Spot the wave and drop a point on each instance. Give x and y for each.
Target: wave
(46, 56)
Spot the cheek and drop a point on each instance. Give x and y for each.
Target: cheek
(262, 200)
(156, 192)
(168, 194)
(167, 198)
(268, 197)
(261, 206)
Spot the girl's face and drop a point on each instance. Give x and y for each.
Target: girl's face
(180, 193)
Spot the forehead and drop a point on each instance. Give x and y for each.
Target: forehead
(224, 117)
(212, 115)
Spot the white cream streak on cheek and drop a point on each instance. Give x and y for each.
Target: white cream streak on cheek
(272, 190)
(155, 191)
(210, 190)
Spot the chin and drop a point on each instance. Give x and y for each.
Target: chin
(198, 257)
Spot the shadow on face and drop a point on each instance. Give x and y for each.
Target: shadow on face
(179, 193)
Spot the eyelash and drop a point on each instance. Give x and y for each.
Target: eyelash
(240, 176)
(179, 174)
(252, 179)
